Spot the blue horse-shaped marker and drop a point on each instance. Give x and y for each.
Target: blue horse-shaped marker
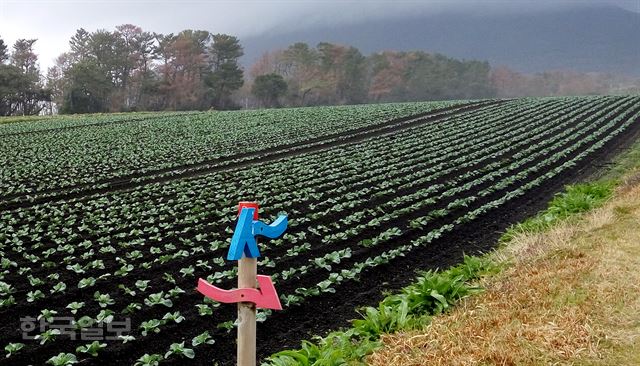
(244, 236)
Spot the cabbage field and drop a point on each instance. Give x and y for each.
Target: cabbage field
(107, 221)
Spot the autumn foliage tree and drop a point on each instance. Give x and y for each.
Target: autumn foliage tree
(184, 70)
(336, 74)
(130, 69)
(326, 74)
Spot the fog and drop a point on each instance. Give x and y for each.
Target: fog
(54, 22)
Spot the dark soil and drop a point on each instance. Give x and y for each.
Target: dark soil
(318, 315)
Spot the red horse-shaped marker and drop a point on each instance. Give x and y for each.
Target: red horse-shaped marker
(265, 297)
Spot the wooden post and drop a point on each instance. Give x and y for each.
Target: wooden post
(247, 274)
(244, 249)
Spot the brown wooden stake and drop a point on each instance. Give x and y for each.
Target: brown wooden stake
(247, 272)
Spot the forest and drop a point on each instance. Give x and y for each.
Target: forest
(129, 69)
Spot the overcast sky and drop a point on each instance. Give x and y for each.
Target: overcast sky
(53, 22)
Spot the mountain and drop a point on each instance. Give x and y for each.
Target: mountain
(582, 38)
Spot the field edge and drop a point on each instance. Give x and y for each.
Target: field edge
(352, 346)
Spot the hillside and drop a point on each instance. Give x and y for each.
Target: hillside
(602, 39)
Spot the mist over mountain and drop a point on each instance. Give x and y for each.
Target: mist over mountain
(581, 38)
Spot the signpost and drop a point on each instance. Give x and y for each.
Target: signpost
(254, 291)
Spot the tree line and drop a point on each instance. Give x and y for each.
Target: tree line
(132, 70)
(21, 88)
(129, 69)
(337, 74)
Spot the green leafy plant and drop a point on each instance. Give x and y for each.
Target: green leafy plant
(202, 338)
(187, 271)
(149, 360)
(204, 309)
(175, 292)
(12, 348)
(103, 300)
(127, 290)
(7, 302)
(142, 285)
(179, 349)
(34, 295)
(92, 348)
(58, 287)
(574, 200)
(152, 325)
(47, 315)
(47, 336)
(63, 359)
(34, 281)
(77, 268)
(228, 325)
(175, 317)
(105, 316)
(390, 195)
(169, 278)
(84, 322)
(158, 299)
(132, 308)
(86, 282)
(126, 338)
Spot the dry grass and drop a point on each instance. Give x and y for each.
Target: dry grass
(571, 296)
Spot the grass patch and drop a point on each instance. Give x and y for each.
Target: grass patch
(433, 293)
(625, 164)
(576, 199)
(16, 119)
